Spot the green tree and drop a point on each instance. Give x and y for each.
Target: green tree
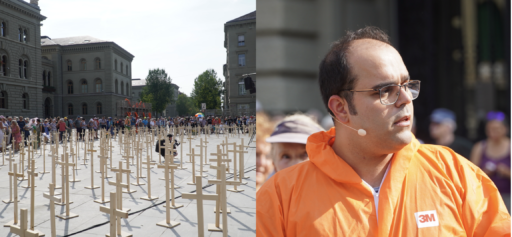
(207, 89)
(158, 90)
(185, 105)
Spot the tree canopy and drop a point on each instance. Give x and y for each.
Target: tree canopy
(207, 89)
(185, 105)
(158, 90)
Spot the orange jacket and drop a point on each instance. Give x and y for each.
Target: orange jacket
(325, 197)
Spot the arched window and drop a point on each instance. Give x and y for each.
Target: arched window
(25, 100)
(97, 64)
(70, 65)
(84, 86)
(99, 109)
(3, 100)
(70, 87)
(127, 89)
(121, 67)
(122, 88)
(70, 109)
(127, 70)
(25, 69)
(99, 86)
(117, 91)
(49, 78)
(44, 78)
(84, 108)
(83, 65)
(20, 35)
(3, 65)
(3, 29)
(115, 64)
(25, 37)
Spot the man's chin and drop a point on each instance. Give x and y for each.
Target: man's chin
(403, 138)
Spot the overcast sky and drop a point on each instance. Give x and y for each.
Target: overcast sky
(184, 37)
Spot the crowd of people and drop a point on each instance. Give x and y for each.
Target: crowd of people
(14, 129)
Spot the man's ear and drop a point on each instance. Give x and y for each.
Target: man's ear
(339, 108)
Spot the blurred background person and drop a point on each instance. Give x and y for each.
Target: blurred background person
(264, 164)
(492, 155)
(288, 141)
(442, 129)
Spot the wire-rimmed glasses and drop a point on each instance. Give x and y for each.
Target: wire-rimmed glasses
(389, 94)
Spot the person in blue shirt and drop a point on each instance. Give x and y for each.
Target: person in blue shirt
(145, 122)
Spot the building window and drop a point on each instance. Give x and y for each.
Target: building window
(25, 101)
(241, 87)
(49, 78)
(70, 109)
(83, 65)
(121, 67)
(116, 87)
(25, 69)
(115, 64)
(25, 36)
(84, 108)
(3, 100)
(127, 70)
(70, 87)
(3, 65)
(84, 86)
(20, 35)
(99, 109)
(99, 86)
(44, 78)
(70, 66)
(127, 90)
(241, 60)
(241, 40)
(3, 29)
(122, 88)
(243, 106)
(97, 64)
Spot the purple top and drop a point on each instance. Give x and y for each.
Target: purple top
(502, 183)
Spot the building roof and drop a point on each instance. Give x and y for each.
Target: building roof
(249, 16)
(29, 4)
(75, 40)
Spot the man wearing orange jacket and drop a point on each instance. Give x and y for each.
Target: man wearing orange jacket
(369, 176)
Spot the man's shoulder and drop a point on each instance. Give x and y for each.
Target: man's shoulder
(444, 160)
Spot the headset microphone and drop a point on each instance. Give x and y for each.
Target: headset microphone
(361, 131)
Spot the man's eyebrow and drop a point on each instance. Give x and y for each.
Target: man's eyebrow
(403, 79)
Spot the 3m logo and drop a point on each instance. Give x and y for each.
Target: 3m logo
(426, 219)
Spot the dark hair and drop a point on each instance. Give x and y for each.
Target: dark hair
(334, 71)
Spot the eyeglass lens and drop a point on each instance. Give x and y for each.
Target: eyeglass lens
(389, 94)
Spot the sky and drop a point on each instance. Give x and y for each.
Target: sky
(184, 37)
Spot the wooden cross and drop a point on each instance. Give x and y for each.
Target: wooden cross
(219, 166)
(66, 215)
(54, 157)
(22, 161)
(181, 152)
(199, 196)
(201, 151)
(206, 151)
(92, 168)
(226, 143)
(52, 199)
(10, 159)
(221, 202)
(167, 166)
(128, 171)
(14, 174)
(115, 214)
(120, 185)
(102, 171)
(32, 173)
(149, 197)
(193, 155)
(22, 230)
(241, 168)
(190, 146)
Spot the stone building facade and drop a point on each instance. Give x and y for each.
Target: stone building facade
(20, 58)
(240, 44)
(88, 76)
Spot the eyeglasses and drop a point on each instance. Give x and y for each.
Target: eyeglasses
(389, 94)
